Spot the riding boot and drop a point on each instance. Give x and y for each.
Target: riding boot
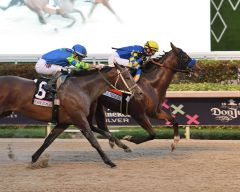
(49, 87)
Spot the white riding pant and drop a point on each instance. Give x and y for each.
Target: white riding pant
(115, 58)
(41, 67)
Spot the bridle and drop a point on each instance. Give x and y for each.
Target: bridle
(180, 64)
(120, 75)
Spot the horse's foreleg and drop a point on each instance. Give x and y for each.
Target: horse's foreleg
(168, 117)
(103, 129)
(81, 122)
(56, 131)
(80, 12)
(107, 5)
(95, 129)
(41, 18)
(92, 114)
(69, 17)
(92, 9)
(146, 125)
(176, 133)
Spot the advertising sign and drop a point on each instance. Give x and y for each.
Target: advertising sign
(187, 111)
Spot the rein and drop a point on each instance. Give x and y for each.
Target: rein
(187, 71)
(119, 75)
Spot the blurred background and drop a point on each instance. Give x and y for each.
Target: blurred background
(186, 23)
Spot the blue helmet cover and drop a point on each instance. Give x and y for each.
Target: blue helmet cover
(80, 50)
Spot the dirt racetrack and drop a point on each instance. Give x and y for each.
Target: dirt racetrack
(196, 165)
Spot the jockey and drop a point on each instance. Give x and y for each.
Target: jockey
(53, 63)
(53, 4)
(134, 56)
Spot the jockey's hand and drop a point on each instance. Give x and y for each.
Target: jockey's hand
(97, 66)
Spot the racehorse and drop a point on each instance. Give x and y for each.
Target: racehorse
(155, 79)
(66, 7)
(76, 96)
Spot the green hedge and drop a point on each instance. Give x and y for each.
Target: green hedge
(26, 70)
(200, 132)
(224, 72)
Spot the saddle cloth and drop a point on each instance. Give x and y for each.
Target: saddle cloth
(121, 98)
(41, 97)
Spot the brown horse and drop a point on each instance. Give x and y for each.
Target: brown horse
(156, 77)
(76, 96)
(66, 7)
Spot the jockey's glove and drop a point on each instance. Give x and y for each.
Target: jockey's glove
(82, 65)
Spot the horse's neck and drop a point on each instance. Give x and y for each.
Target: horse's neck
(159, 81)
(94, 85)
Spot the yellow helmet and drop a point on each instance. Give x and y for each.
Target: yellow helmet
(152, 45)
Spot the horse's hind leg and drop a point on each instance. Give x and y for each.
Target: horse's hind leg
(146, 125)
(56, 131)
(12, 3)
(5, 114)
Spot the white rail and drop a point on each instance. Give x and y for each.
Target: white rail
(214, 55)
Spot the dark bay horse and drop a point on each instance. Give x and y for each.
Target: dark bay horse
(154, 82)
(66, 7)
(76, 96)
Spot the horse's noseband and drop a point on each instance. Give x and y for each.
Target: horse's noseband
(182, 65)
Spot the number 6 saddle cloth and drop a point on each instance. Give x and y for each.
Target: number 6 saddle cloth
(42, 97)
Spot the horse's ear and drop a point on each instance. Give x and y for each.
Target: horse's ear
(174, 48)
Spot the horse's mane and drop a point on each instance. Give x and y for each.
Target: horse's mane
(77, 73)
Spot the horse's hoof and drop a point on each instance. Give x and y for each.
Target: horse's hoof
(127, 137)
(127, 150)
(173, 147)
(112, 144)
(34, 159)
(111, 164)
(175, 142)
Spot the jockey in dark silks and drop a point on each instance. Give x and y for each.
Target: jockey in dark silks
(134, 56)
(54, 63)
